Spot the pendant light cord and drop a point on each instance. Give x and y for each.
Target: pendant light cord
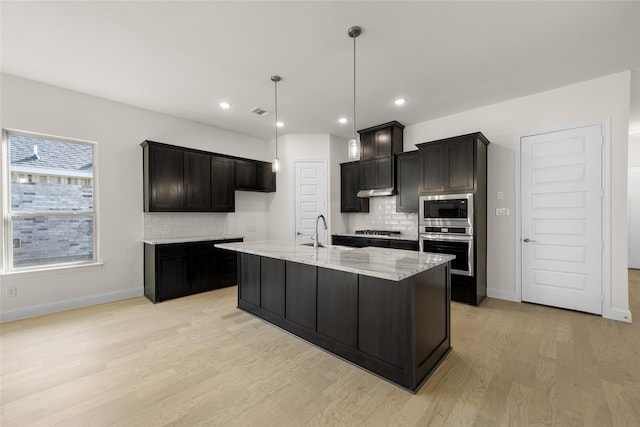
(354, 87)
(276, 90)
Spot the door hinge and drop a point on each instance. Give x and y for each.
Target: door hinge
(602, 246)
(601, 297)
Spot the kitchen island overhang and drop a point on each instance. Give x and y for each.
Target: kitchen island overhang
(385, 310)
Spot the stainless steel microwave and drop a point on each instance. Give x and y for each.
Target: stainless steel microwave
(448, 210)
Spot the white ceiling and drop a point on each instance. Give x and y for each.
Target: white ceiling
(183, 58)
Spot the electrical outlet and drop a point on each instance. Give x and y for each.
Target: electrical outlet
(12, 291)
(502, 211)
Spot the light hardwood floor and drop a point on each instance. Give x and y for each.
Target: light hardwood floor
(200, 361)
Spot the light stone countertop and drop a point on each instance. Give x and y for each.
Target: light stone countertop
(384, 263)
(169, 240)
(376, 236)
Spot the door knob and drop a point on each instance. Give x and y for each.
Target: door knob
(527, 240)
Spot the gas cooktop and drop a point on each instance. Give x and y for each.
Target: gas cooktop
(378, 232)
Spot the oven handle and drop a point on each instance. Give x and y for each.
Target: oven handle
(447, 237)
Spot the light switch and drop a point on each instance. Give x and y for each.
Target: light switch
(500, 195)
(502, 211)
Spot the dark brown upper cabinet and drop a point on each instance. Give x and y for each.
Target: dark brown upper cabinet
(379, 144)
(381, 141)
(450, 165)
(408, 176)
(254, 175)
(349, 185)
(178, 179)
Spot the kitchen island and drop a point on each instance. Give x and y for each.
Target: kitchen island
(385, 310)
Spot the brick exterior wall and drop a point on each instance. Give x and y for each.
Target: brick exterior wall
(41, 240)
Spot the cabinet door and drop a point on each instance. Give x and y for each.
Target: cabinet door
(369, 174)
(197, 182)
(272, 279)
(408, 179)
(460, 156)
(432, 158)
(166, 170)
(249, 280)
(367, 146)
(386, 171)
(173, 268)
(382, 319)
(383, 143)
(300, 294)
(266, 178)
(360, 242)
(338, 305)
(349, 186)
(245, 174)
(203, 268)
(222, 184)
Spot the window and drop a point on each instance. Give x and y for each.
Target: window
(49, 208)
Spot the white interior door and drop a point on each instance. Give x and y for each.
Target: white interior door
(634, 216)
(561, 218)
(311, 199)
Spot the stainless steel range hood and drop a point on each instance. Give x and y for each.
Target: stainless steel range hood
(376, 192)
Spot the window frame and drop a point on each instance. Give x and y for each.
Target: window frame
(6, 231)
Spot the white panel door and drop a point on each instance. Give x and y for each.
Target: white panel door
(311, 199)
(634, 217)
(561, 178)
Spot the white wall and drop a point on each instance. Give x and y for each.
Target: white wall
(118, 129)
(338, 222)
(503, 123)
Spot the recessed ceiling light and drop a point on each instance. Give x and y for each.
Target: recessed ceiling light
(343, 120)
(279, 124)
(400, 101)
(225, 105)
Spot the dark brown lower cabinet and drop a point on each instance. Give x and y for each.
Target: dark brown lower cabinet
(300, 294)
(272, 280)
(337, 300)
(399, 330)
(361, 242)
(180, 269)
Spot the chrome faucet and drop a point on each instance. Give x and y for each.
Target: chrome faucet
(324, 222)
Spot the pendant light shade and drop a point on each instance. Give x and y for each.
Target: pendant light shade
(275, 165)
(354, 143)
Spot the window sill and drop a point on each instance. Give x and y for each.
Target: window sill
(51, 270)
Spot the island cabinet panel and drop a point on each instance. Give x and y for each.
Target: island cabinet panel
(383, 320)
(431, 306)
(249, 273)
(338, 305)
(300, 300)
(272, 285)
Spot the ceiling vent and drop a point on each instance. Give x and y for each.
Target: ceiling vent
(259, 111)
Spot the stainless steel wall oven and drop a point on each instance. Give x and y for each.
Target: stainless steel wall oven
(446, 226)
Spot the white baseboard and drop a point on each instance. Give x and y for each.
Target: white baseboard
(39, 310)
(617, 314)
(500, 294)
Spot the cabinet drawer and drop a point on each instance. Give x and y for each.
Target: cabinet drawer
(173, 250)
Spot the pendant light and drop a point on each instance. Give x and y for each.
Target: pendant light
(275, 166)
(354, 143)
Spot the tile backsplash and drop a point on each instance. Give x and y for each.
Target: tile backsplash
(383, 216)
(162, 225)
